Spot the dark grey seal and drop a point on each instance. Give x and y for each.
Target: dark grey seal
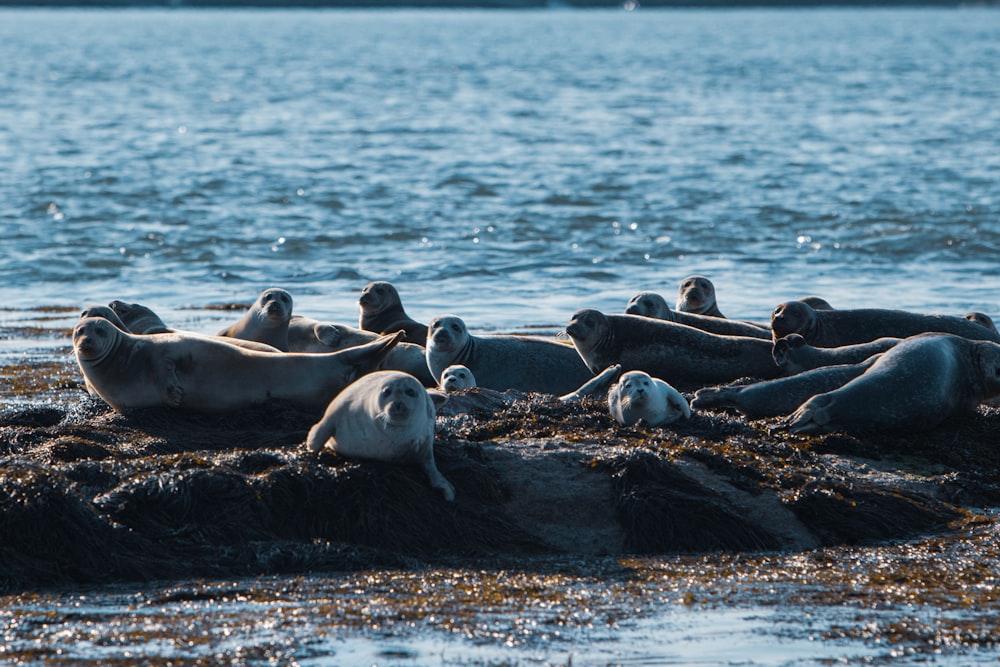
(382, 312)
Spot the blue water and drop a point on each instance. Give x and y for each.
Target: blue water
(507, 166)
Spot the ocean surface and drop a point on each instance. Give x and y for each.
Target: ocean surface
(509, 167)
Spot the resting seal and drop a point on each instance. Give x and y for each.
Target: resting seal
(835, 328)
(309, 335)
(638, 396)
(817, 302)
(142, 321)
(103, 312)
(382, 311)
(795, 355)
(696, 294)
(384, 416)
(266, 321)
(651, 304)
(773, 398)
(457, 378)
(682, 356)
(981, 319)
(502, 362)
(916, 385)
(203, 374)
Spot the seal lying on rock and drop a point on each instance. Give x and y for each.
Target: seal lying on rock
(203, 374)
(795, 355)
(638, 396)
(981, 319)
(105, 312)
(384, 416)
(651, 304)
(142, 321)
(266, 321)
(685, 357)
(915, 385)
(835, 328)
(457, 378)
(309, 335)
(696, 294)
(502, 362)
(774, 398)
(382, 311)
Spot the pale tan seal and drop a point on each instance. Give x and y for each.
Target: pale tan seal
(384, 416)
(684, 357)
(142, 320)
(696, 294)
(105, 312)
(266, 321)
(382, 311)
(502, 362)
(203, 374)
(915, 385)
(835, 328)
(651, 304)
(637, 396)
(309, 335)
(773, 398)
(795, 355)
(457, 378)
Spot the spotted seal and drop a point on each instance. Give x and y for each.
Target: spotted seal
(836, 328)
(795, 355)
(266, 321)
(501, 362)
(685, 357)
(203, 374)
(382, 311)
(142, 320)
(915, 385)
(651, 304)
(637, 396)
(696, 294)
(457, 378)
(384, 416)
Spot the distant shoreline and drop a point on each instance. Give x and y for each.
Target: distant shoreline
(478, 4)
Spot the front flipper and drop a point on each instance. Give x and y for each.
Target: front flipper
(172, 393)
(319, 434)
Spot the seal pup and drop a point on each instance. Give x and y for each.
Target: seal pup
(651, 304)
(384, 416)
(203, 374)
(142, 321)
(696, 294)
(795, 355)
(502, 362)
(684, 357)
(266, 321)
(773, 398)
(835, 328)
(382, 311)
(309, 335)
(916, 385)
(456, 378)
(637, 396)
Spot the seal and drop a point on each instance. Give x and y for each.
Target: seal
(919, 383)
(817, 302)
(141, 320)
(835, 328)
(651, 304)
(696, 294)
(203, 374)
(982, 319)
(457, 378)
(384, 416)
(795, 355)
(773, 398)
(105, 312)
(309, 335)
(685, 357)
(382, 311)
(502, 362)
(638, 396)
(266, 321)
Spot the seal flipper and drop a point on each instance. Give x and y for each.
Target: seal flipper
(328, 334)
(322, 431)
(715, 397)
(812, 416)
(597, 385)
(435, 477)
(173, 392)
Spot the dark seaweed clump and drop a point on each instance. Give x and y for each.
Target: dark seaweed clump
(88, 495)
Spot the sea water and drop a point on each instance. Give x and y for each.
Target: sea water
(509, 167)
